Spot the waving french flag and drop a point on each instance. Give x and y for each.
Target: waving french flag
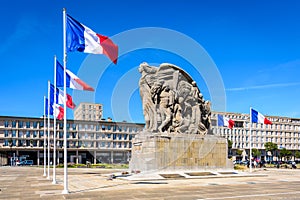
(59, 111)
(72, 81)
(225, 121)
(83, 39)
(60, 98)
(46, 108)
(257, 117)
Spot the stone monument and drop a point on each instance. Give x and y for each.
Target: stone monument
(177, 133)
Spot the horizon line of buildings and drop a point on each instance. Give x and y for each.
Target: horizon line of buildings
(95, 140)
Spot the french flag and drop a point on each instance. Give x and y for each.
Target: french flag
(46, 108)
(225, 121)
(60, 97)
(257, 117)
(83, 39)
(59, 111)
(72, 81)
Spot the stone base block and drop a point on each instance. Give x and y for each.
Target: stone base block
(179, 152)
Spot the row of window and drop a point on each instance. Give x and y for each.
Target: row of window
(263, 140)
(74, 135)
(22, 124)
(259, 146)
(256, 132)
(70, 144)
(22, 134)
(81, 127)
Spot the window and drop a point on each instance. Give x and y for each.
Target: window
(34, 134)
(35, 124)
(5, 133)
(74, 135)
(102, 144)
(20, 124)
(108, 144)
(6, 124)
(13, 134)
(13, 124)
(27, 124)
(20, 134)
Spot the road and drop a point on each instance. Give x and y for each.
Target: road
(86, 183)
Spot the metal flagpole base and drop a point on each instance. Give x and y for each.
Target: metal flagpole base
(45, 174)
(65, 192)
(48, 177)
(54, 182)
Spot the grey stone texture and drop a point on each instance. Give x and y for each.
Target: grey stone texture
(172, 102)
(177, 129)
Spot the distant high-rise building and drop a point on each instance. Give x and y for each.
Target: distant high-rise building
(88, 112)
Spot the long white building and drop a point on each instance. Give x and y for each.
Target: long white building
(87, 141)
(284, 131)
(110, 142)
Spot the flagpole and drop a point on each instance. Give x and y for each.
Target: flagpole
(65, 191)
(48, 177)
(54, 126)
(45, 136)
(218, 125)
(250, 137)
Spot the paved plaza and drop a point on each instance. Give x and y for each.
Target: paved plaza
(87, 183)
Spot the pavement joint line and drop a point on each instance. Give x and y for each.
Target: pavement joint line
(251, 195)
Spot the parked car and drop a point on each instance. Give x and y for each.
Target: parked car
(240, 162)
(25, 162)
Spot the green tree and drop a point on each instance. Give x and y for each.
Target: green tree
(229, 143)
(285, 154)
(272, 147)
(239, 152)
(297, 154)
(256, 153)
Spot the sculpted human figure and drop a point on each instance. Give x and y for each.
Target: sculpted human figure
(172, 102)
(145, 83)
(166, 107)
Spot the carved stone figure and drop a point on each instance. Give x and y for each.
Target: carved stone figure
(172, 102)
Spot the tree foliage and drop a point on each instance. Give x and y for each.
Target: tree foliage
(239, 152)
(297, 154)
(256, 153)
(285, 153)
(270, 146)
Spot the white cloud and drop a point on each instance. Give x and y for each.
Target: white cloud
(267, 86)
(24, 28)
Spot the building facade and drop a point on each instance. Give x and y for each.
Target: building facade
(284, 131)
(87, 141)
(88, 112)
(111, 142)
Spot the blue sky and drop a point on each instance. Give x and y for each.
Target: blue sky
(254, 44)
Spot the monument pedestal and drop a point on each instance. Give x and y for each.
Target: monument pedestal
(179, 152)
